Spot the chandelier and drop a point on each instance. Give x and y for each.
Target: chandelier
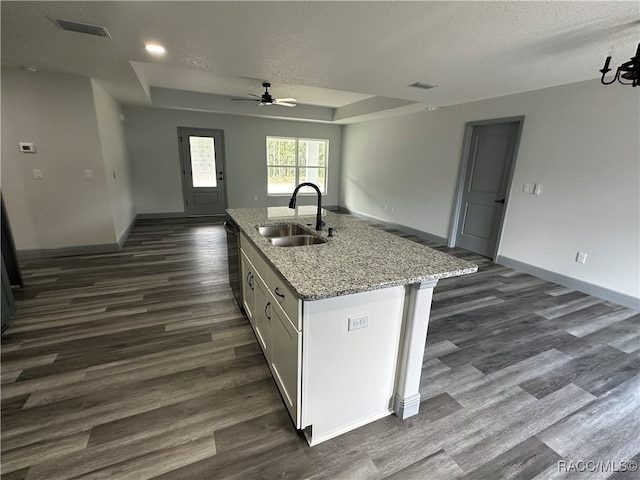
(629, 71)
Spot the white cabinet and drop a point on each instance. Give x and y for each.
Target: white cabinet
(286, 299)
(333, 377)
(248, 286)
(286, 358)
(273, 310)
(262, 317)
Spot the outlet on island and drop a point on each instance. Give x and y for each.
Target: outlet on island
(356, 323)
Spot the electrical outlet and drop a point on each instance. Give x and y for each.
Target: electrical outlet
(528, 188)
(581, 257)
(356, 323)
(386, 208)
(391, 208)
(255, 198)
(88, 174)
(27, 147)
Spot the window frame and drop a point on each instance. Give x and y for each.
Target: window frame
(296, 167)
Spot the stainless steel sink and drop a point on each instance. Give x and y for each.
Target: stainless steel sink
(297, 240)
(282, 230)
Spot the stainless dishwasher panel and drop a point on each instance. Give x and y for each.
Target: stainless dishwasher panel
(233, 257)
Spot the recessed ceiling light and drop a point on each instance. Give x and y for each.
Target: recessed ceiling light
(29, 68)
(155, 49)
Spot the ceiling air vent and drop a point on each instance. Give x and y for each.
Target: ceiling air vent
(71, 26)
(423, 85)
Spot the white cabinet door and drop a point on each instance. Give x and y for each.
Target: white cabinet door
(285, 360)
(248, 287)
(262, 316)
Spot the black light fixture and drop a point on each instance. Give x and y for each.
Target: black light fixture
(629, 70)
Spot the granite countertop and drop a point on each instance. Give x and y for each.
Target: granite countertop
(357, 258)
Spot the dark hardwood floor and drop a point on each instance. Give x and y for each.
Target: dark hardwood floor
(139, 364)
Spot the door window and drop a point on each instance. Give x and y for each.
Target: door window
(203, 162)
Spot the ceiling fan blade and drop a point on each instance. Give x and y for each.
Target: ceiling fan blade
(246, 99)
(284, 104)
(257, 96)
(289, 100)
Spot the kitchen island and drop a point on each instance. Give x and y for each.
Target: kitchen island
(342, 324)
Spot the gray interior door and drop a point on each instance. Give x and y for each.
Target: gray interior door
(491, 154)
(203, 178)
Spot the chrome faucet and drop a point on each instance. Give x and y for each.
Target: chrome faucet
(292, 202)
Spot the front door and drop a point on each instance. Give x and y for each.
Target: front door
(202, 162)
(491, 153)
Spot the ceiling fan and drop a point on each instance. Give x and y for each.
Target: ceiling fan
(267, 99)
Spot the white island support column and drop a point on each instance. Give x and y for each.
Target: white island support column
(406, 402)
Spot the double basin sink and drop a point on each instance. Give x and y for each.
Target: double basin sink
(289, 235)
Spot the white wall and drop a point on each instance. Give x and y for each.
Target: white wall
(580, 142)
(152, 140)
(114, 154)
(63, 209)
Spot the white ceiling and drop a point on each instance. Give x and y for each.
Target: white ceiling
(344, 61)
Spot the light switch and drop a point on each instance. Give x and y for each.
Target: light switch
(37, 173)
(88, 174)
(528, 188)
(538, 189)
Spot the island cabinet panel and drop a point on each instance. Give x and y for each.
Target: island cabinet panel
(286, 360)
(260, 266)
(286, 299)
(273, 311)
(350, 359)
(246, 247)
(248, 286)
(262, 317)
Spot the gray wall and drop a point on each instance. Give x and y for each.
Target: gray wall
(116, 166)
(63, 209)
(152, 142)
(580, 142)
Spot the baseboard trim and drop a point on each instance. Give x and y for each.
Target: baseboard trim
(79, 249)
(332, 208)
(67, 251)
(573, 283)
(403, 228)
(406, 407)
(158, 216)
